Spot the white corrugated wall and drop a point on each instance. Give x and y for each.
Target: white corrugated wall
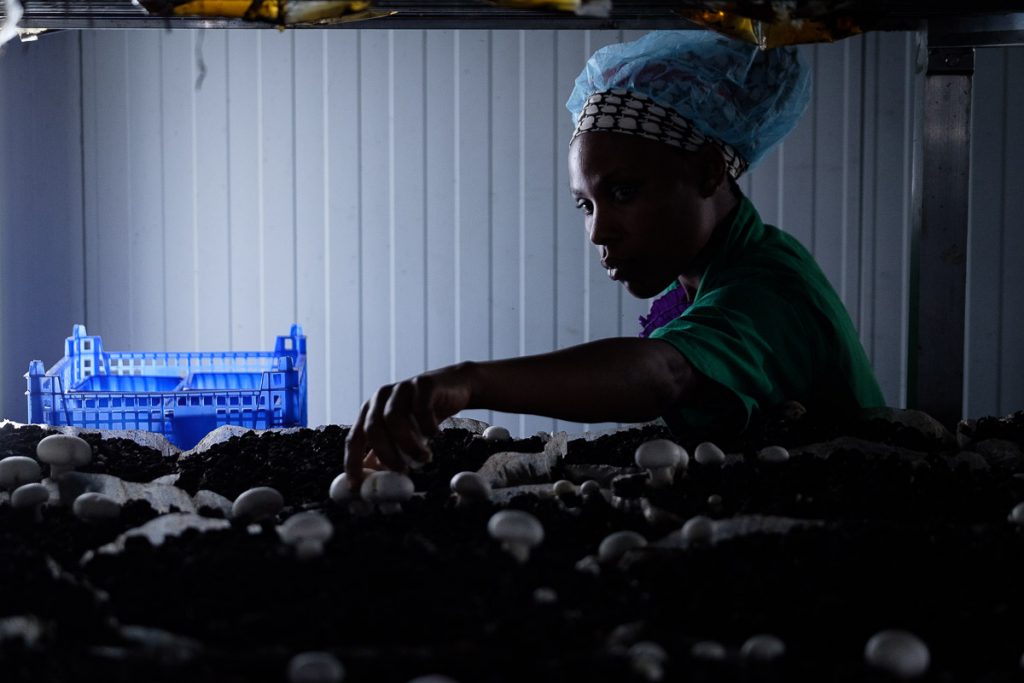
(403, 196)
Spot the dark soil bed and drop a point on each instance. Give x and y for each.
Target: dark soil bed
(898, 533)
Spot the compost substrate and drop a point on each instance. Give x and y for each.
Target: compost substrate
(880, 527)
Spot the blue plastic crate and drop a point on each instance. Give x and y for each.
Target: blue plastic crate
(183, 396)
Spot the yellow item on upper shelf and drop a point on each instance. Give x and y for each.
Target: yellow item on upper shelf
(275, 11)
(781, 31)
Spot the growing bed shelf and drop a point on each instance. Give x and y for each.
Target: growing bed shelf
(182, 395)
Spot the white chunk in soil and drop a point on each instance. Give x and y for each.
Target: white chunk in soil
(496, 433)
(648, 659)
(898, 653)
(708, 649)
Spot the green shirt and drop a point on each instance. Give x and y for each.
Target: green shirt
(767, 324)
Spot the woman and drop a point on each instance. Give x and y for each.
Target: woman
(745, 320)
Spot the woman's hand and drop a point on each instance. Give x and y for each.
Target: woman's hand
(393, 426)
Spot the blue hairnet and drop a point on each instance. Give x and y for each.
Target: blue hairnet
(732, 91)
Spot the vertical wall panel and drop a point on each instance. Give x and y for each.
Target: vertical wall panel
(108, 241)
(179, 200)
(343, 342)
(41, 232)
(245, 215)
(440, 120)
(408, 199)
(374, 89)
(211, 245)
(277, 186)
(312, 219)
(403, 195)
(147, 274)
(472, 199)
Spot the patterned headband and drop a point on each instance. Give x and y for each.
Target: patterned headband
(624, 111)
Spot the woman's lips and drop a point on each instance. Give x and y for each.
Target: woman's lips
(616, 269)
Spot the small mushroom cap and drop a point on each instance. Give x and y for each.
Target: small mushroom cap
(341, 487)
(708, 649)
(471, 485)
(589, 487)
(496, 433)
(387, 486)
(616, 544)
(1017, 514)
(64, 449)
(661, 453)
(698, 528)
(29, 495)
(257, 503)
(515, 526)
(563, 487)
(306, 526)
(708, 453)
(762, 648)
(17, 470)
(898, 653)
(773, 454)
(315, 667)
(93, 506)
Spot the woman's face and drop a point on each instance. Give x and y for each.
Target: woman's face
(642, 207)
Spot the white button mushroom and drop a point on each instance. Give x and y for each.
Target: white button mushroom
(259, 502)
(590, 488)
(95, 507)
(661, 457)
(648, 659)
(518, 531)
(773, 454)
(341, 488)
(898, 653)
(17, 470)
(563, 487)
(708, 649)
(470, 487)
(616, 544)
(30, 497)
(315, 667)
(762, 648)
(708, 453)
(1017, 514)
(306, 532)
(698, 529)
(63, 453)
(496, 433)
(387, 490)
(714, 501)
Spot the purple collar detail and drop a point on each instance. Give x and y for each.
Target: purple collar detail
(664, 310)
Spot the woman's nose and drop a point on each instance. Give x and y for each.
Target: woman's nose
(602, 228)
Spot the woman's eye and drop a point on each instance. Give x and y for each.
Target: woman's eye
(623, 193)
(584, 206)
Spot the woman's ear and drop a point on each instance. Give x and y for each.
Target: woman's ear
(711, 169)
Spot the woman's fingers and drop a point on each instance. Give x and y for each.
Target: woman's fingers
(355, 446)
(402, 425)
